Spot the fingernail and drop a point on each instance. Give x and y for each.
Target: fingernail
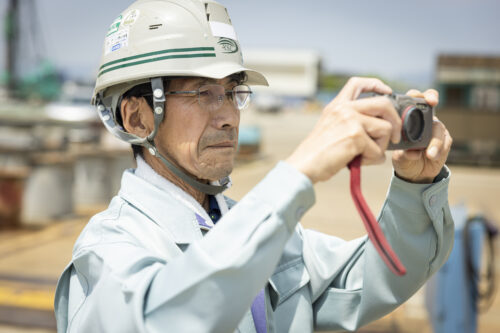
(431, 98)
(433, 152)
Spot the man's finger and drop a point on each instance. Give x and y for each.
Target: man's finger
(414, 93)
(437, 141)
(357, 85)
(379, 130)
(373, 153)
(448, 141)
(381, 107)
(431, 96)
(408, 155)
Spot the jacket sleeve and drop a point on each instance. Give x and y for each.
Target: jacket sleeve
(209, 287)
(356, 287)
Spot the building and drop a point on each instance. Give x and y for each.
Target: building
(292, 75)
(469, 88)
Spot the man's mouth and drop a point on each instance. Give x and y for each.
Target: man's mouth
(226, 144)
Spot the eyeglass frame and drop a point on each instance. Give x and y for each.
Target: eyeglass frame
(144, 90)
(197, 93)
(227, 92)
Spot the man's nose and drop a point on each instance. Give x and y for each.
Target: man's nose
(228, 116)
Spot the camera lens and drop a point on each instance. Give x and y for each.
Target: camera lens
(413, 124)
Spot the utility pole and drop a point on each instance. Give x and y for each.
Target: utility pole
(12, 37)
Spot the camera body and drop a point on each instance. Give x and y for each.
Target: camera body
(416, 116)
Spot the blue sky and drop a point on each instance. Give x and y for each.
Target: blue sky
(395, 39)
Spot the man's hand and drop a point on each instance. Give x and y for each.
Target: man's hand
(349, 127)
(422, 166)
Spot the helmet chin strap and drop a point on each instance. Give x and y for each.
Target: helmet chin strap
(159, 113)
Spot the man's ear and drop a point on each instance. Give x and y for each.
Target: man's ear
(137, 117)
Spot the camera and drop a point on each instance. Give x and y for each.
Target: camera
(416, 116)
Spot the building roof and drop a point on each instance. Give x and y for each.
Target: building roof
(469, 61)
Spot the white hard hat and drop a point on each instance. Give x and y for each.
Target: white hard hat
(153, 39)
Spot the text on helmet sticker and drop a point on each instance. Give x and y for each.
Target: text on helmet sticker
(116, 41)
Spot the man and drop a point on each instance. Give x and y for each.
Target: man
(172, 254)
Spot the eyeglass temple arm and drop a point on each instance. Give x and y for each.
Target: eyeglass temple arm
(194, 92)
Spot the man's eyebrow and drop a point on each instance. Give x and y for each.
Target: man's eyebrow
(207, 80)
(204, 80)
(195, 84)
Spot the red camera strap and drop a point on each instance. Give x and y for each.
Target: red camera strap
(372, 227)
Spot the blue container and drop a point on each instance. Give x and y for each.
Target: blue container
(451, 294)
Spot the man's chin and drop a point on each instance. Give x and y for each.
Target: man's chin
(216, 172)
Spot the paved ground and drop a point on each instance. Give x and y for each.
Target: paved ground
(31, 260)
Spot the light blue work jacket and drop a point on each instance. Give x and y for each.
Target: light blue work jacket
(146, 265)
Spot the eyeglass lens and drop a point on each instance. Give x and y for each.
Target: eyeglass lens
(212, 96)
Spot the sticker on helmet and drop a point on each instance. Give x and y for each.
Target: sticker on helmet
(131, 17)
(228, 45)
(116, 41)
(220, 29)
(115, 25)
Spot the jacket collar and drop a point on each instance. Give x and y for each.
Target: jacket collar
(146, 172)
(167, 207)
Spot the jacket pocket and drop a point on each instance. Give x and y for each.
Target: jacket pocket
(339, 309)
(287, 279)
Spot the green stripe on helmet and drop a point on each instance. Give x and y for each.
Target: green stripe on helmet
(149, 54)
(129, 64)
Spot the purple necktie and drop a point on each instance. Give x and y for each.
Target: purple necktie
(259, 312)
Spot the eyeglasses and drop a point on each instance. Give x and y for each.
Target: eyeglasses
(212, 96)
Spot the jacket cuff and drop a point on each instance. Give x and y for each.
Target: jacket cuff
(288, 191)
(421, 198)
